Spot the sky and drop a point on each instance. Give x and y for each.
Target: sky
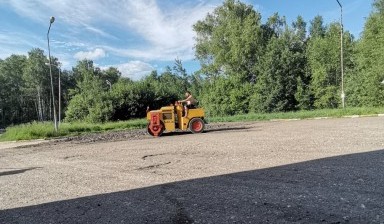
(139, 36)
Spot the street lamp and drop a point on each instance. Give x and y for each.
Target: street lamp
(50, 73)
(342, 55)
(59, 68)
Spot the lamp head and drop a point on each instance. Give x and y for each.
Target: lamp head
(52, 20)
(339, 3)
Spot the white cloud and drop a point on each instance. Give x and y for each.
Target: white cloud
(164, 29)
(99, 31)
(90, 55)
(134, 69)
(169, 31)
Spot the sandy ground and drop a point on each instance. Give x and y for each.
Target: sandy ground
(308, 171)
(15, 144)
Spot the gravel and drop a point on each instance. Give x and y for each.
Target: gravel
(142, 133)
(308, 171)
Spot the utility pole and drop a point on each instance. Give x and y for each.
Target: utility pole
(342, 55)
(50, 73)
(59, 67)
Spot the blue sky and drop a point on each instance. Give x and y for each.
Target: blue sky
(138, 36)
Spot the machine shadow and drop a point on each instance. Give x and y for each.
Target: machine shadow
(17, 171)
(227, 129)
(207, 131)
(342, 189)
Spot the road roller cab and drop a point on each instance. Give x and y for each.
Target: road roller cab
(170, 118)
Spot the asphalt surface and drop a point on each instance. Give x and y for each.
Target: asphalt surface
(309, 171)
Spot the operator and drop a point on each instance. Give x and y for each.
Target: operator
(190, 102)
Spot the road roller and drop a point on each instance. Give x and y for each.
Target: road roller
(171, 118)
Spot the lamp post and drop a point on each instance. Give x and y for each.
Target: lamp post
(342, 55)
(59, 94)
(50, 73)
(59, 68)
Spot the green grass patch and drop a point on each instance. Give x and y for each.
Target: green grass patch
(298, 114)
(39, 130)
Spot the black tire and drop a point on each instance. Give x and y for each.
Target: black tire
(196, 125)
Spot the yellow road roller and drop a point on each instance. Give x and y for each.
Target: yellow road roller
(170, 118)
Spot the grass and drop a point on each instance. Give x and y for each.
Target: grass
(299, 114)
(38, 130)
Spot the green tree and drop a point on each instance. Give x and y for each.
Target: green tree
(364, 88)
(169, 86)
(281, 66)
(317, 28)
(303, 93)
(90, 100)
(111, 75)
(14, 106)
(224, 96)
(378, 7)
(228, 41)
(130, 99)
(36, 78)
(323, 55)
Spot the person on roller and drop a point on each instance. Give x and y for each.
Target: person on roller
(190, 102)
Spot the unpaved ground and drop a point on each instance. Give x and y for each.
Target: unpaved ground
(15, 144)
(310, 171)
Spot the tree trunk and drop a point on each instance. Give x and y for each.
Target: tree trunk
(44, 109)
(40, 112)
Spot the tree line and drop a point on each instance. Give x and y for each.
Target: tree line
(246, 66)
